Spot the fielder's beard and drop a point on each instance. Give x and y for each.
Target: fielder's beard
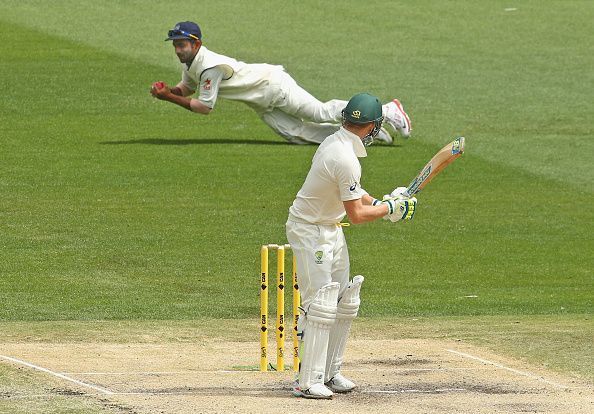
(186, 58)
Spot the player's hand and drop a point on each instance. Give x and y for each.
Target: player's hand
(401, 209)
(160, 90)
(399, 191)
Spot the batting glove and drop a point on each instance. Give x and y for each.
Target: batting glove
(399, 192)
(401, 209)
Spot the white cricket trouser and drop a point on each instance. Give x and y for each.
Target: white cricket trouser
(298, 116)
(317, 269)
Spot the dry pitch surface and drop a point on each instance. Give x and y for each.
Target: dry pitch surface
(394, 376)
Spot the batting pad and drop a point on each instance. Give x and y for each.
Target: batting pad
(347, 310)
(319, 318)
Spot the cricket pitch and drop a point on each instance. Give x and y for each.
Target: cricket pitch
(214, 376)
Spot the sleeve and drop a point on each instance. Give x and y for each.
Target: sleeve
(188, 82)
(210, 81)
(348, 179)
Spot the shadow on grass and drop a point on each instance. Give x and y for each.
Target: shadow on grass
(207, 141)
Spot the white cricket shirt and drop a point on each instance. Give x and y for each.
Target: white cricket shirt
(239, 81)
(334, 177)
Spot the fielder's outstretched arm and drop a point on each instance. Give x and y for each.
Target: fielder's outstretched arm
(175, 95)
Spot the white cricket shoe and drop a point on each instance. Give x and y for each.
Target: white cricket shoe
(384, 136)
(316, 391)
(340, 384)
(395, 116)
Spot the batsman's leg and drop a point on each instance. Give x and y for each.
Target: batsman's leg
(347, 309)
(312, 246)
(318, 320)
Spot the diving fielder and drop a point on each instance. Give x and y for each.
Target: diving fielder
(283, 105)
(329, 301)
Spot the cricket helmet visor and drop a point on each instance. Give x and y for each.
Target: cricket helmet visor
(362, 109)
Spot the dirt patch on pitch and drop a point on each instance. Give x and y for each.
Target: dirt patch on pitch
(220, 377)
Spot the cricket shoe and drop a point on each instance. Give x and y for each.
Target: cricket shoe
(395, 116)
(384, 136)
(340, 384)
(316, 392)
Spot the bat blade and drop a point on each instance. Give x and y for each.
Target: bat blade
(442, 159)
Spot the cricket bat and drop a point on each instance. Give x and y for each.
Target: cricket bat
(442, 159)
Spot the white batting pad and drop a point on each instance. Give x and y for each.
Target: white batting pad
(347, 309)
(319, 318)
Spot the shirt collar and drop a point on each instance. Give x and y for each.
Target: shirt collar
(358, 147)
(199, 57)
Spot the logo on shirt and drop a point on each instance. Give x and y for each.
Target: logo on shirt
(357, 114)
(319, 256)
(352, 187)
(206, 85)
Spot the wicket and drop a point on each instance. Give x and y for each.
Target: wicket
(280, 307)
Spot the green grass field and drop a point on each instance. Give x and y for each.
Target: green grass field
(114, 206)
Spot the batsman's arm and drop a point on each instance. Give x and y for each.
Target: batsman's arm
(361, 211)
(368, 200)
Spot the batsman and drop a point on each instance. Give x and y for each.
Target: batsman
(330, 300)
